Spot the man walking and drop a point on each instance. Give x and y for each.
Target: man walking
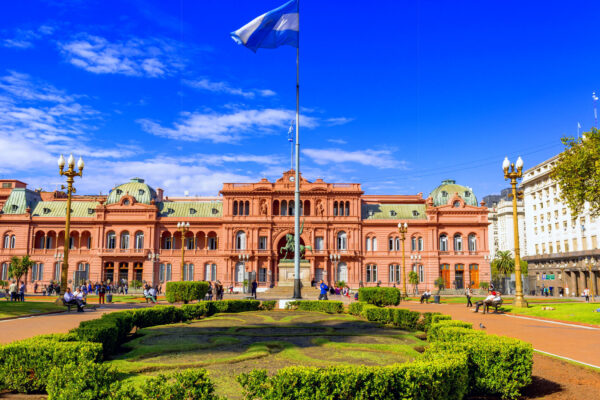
(254, 286)
(468, 293)
(101, 292)
(323, 287)
(22, 291)
(12, 289)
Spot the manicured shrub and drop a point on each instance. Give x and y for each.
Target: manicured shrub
(438, 331)
(185, 291)
(380, 296)
(356, 307)
(437, 318)
(111, 330)
(234, 306)
(377, 314)
(268, 304)
(157, 315)
(189, 384)
(405, 319)
(498, 365)
(25, 364)
(326, 306)
(444, 377)
(197, 310)
(425, 321)
(82, 380)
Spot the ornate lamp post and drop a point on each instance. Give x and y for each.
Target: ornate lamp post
(243, 258)
(591, 261)
(512, 173)
(488, 258)
(403, 228)
(154, 258)
(415, 258)
(183, 228)
(70, 174)
(335, 260)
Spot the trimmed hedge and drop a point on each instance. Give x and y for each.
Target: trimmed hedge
(326, 306)
(399, 317)
(443, 377)
(111, 330)
(26, 364)
(356, 307)
(380, 296)
(425, 320)
(498, 365)
(439, 317)
(185, 291)
(437, 330)
(157, 315)
(189, 384)
(268, 305)
(234, 306)
(197, 310)
(82, 380)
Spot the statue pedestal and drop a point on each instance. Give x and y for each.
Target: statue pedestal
(286, 273)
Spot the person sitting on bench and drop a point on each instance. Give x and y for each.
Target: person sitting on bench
(71, 300)
(488, 300)
(425, 297)
(496, 302)
(80, 298)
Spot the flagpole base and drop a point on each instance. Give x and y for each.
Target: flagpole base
(297, 289)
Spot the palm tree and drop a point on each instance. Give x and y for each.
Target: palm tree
(413, 279)
(503, 263)
(19, 267)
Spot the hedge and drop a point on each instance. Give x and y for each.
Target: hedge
(26, 364)
(498, 365)
(399, 317)
(437, 330)
(157, 315)
(185, 291)
(268, 305)
(439, 317)
(442, 377)
(380, 296)
(326, 306)
(425, 321)
(234, 306)
(111, 330)
(189, 384)
(356, 307)
(82, 380)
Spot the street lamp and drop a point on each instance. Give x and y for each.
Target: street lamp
(70, 174)
(415, 258)
(591, 261)
(183, 228)
(154, 258)
(243, 258)
(335, 259)
(488, 258)
(403, 228)
(513, 174)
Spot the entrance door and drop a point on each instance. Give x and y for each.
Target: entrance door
(109, 272)
(445, 273)
(474, 272)
(239, 272)
(123, 272)
(459, 279)
(318, 274)
(342, 272)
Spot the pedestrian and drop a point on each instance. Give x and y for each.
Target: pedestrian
(12, 289)
(22, 291)
(468, 293)
(101, 290)
(323, 287)
(126, 288)
(254, 287)
(210, 291)
(35, 287)
(586, 293)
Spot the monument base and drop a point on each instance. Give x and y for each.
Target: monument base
(286, 273)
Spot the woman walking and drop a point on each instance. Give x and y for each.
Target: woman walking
(468, 293)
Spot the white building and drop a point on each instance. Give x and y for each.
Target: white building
(559, 248)
(501, 234)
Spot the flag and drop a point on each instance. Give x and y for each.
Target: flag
(273, 29)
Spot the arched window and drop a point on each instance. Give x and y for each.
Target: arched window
(413, 244)
(472, 242)
(347, 212)
(124, 240)
(342, 272)
(4, 272)
(291, 208)
(420, 244)
(283, 207)
(139, 240)
(374, 243)
(394, 275)
(368, 244)
(335, 208)
(188, 272)
(13, 241)
(458, 242)
(235, 208)
(210, 272)
(111, 240)
(212, 241)
(391, 244)
(306, 207)
(240, 240)
(342, 241)
(166, 241)
(371, 273)
(276, 207)
(443, 243)
(247, 208)
(397, 243)
(6, 242)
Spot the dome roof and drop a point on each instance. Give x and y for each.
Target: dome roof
(443, 193)
(136, 188)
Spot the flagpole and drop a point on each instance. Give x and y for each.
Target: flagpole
(297, 281)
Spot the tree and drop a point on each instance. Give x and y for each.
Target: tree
(577, 172)
(504, 264)
(440, 283)
(413, 279)
(19, 267)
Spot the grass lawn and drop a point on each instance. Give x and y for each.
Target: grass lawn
(580, 312)
(15, 309)
(227, 345)
(507, 300)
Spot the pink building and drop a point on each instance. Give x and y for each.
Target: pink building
(132, 234)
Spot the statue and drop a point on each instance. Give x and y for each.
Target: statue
(263, 208)
(320, 209)
(290, 246)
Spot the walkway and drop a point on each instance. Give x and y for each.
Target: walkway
(575, 342)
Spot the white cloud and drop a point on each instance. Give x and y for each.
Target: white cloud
(24, 38)
(369, 157)
(224, 87)
(220, 159)
(225, 128)
(338, 121)
(150, 57)
(337, 141)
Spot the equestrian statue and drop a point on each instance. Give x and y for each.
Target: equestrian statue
(289, 247)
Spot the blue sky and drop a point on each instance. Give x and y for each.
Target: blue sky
(396, 95)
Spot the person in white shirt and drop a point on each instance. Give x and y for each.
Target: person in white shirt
(152, 294)
(488, 300)
(70, 298)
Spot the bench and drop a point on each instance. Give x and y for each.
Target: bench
(5, 295)
(494, 304)
(69, 305)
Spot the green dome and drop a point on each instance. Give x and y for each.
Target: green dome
(136, 188)
(443, 193)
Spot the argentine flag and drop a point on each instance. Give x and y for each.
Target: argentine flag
(273, 29)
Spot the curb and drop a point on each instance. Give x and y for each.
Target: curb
(32, 315)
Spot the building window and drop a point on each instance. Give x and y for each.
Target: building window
(57, 271)
(4, 272)
(139, 240)
(235, 208)
(48, 242)
(240, 240)
(247, 208)
(262, 274)
(420, 244)
(167, 243)
(472, 242)
(458, 242)
(124, 240)
(335, 208)
(443, 243)
(37, 272)
(283, 207)
(212, 243)
(71, 243)
(111, 240)
(342, 241)
(319, 243)
(391, 244)
(83, 272)
(262, 243)
(368, 244)
(413, 244)
(397, 243)
(374, 240)
(164, 272)
(371, 273)
(210, 272)
(188, 272)
(394, 275)
(421, 274)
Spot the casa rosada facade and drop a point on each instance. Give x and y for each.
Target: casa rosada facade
(132, 233)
